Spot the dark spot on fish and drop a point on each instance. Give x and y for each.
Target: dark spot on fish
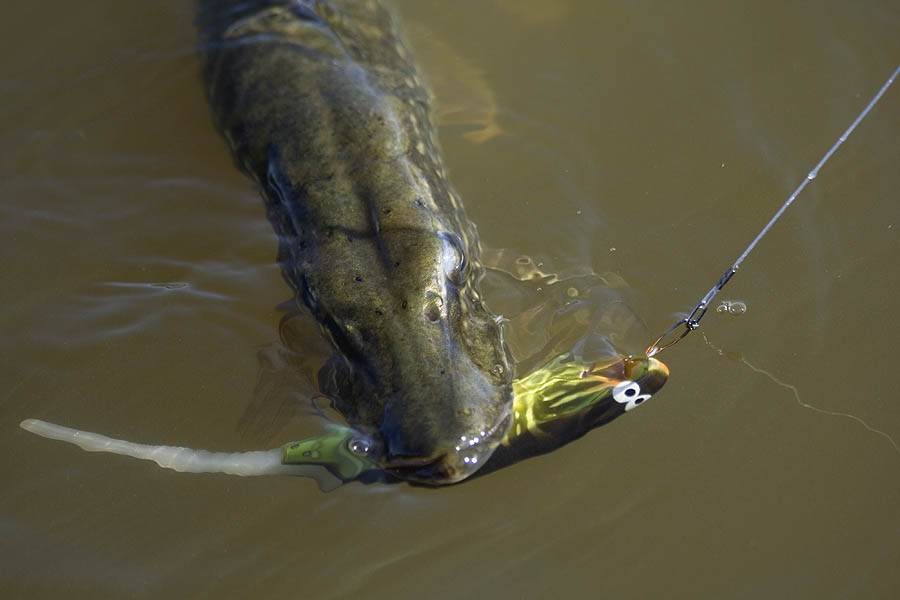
(433, 310)
(397, 263)
(387, 211)
(358, 278)
(404, 304)
(419, 203)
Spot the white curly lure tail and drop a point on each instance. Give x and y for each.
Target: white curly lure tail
(186, 460)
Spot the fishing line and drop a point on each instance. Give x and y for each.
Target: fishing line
(692, 321)
(796, 392)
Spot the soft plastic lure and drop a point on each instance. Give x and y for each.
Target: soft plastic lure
(554, 405)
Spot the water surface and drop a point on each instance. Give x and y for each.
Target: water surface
(140, 299)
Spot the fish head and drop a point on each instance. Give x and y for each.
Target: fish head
(423, 367)
(631, 381)
(568, 397)
(470, 415)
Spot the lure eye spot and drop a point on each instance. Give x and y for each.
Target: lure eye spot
(629, 393)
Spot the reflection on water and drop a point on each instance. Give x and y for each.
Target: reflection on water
(615, 157)
(550, 313)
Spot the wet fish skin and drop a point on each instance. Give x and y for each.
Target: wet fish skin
(322, 105)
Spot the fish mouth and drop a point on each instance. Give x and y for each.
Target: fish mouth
(468, 454)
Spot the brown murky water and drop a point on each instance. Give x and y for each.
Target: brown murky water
(139, 296)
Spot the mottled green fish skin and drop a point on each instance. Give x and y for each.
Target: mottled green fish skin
(323, 106)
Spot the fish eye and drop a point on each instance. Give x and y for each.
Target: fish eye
(629, 393)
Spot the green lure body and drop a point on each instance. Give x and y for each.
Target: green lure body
(340, 451)
(553, 406)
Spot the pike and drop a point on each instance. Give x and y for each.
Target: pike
(323, 107)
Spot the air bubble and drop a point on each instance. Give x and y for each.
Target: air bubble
(454, 260)
(359, 446)
(734, 308)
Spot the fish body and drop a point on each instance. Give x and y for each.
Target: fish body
(323, 107)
